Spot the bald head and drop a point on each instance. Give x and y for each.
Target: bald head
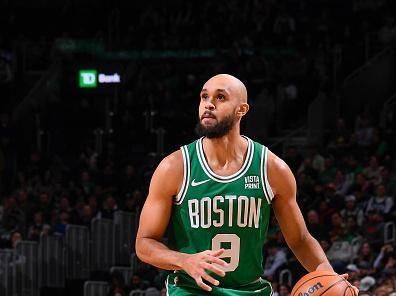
(230, 83)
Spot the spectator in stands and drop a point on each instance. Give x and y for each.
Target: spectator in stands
(86, 216)
(341, 183)
(380, 202)
(318, 161)
(351, 210)
(93, 204)
(367, 284)
(13, 217)
(337, 229)
(364, 132)
(373, 227)
(283, 290)
(365, 259)
(117, 282)
(373, 171)
(15, 238)
(314, 226)
(128, 180)
(63, 221)
(275, 259)
(361, 184)
(389, 181)
(329, 172)
(387, 251)
(109, 207)
(293, 158)
(340, 136)
(86, 184)
(44, 205)
(38, 228)
(24, 203)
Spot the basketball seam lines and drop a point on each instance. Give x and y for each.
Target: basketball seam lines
(336, 283)
(318, 276)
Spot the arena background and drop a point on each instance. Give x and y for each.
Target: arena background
(94, 93)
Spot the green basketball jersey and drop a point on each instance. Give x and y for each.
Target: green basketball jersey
(231, 212)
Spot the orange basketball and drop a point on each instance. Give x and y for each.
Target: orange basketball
(324, 283)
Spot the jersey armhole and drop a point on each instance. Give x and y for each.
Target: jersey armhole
(186, 176)
(264, 175)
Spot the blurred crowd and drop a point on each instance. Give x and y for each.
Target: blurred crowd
(346, 191)
(287, 52)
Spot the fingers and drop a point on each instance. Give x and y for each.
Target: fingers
(215, 260)
(214, 268)
(345, 276)
(202, 285)
(216, 253)
(211, 280)
(356, 290)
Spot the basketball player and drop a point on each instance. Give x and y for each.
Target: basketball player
(215, 195)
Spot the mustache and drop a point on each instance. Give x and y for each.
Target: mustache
(208, 114)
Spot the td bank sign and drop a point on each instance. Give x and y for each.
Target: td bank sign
(91, 78)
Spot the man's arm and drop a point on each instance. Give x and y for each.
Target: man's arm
(154, 219)
(304, 246)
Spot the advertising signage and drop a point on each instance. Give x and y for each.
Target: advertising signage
(92, 78)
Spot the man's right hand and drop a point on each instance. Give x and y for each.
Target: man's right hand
(197, 265)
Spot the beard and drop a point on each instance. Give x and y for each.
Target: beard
(220, 129)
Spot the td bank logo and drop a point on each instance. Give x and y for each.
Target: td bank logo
(88, 78)
(91, 78)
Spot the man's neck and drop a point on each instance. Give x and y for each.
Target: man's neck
(225, 150)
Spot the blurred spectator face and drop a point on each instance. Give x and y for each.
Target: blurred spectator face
(284, 290)
(360, 179)
(64, 218)
(10, 203)
(22, 196)
(38, 218)
(366, 249)
(130, 204)
(318, 188)
(351, 223)
(381, 190)
(15, 238)
(87, 212)
(373, 163)
(92, 202)
(339, 177)
(85, 177)
(130, 170)
(328, 162)
(163, 292)
(350, 202)
(336, 219)
(136, 281)
(64, 204)
(44, 198)
(307, 162)
(109, 202)
(313, 217)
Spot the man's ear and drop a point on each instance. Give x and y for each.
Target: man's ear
(243, 109)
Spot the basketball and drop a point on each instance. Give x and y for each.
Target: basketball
(325, 283)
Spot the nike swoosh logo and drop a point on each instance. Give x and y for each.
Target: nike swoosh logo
(193, 183)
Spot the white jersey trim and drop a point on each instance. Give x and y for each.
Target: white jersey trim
(269, 194)
(225, 179)
(186, 176)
